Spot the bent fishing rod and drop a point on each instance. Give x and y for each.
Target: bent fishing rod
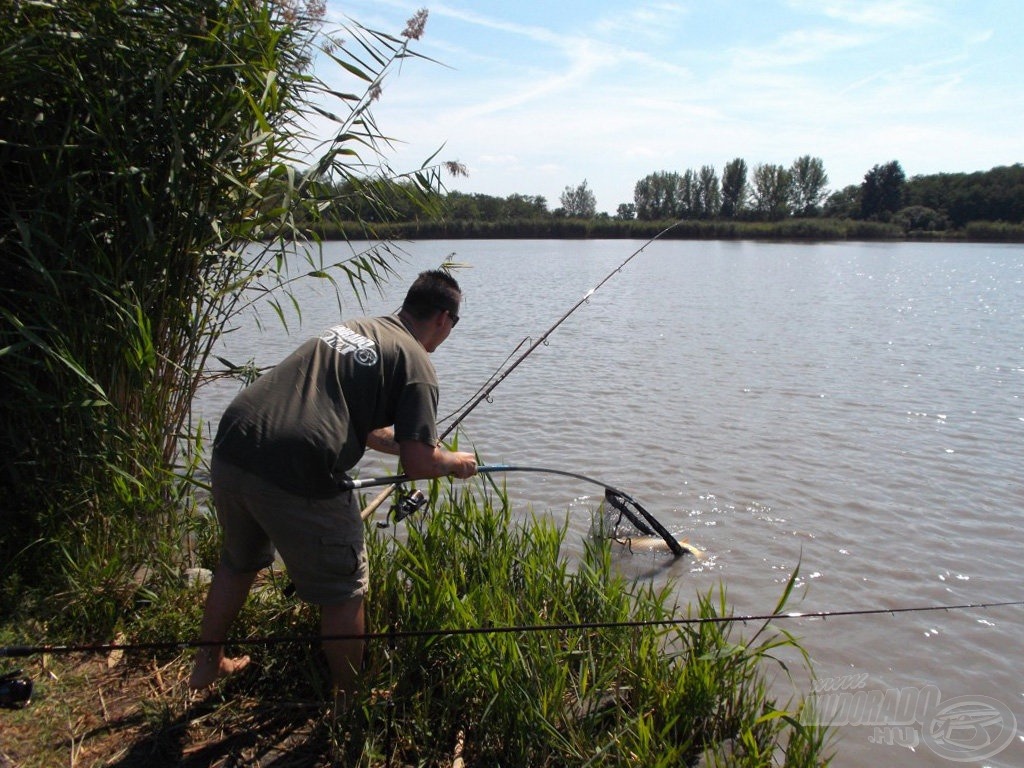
(495, 380)
(626, 505)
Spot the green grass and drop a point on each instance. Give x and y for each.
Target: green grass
(653, 693)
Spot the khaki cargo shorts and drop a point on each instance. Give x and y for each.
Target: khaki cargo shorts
(321, 541)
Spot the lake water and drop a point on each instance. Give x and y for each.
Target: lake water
(854, 408)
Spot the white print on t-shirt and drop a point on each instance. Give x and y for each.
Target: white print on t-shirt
(344, 340)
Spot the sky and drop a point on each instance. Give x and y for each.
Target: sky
(533, 97)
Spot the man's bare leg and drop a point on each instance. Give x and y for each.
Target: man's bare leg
(344, 657)
(227, 595)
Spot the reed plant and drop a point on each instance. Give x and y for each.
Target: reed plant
(608, 684)
(149, 195)
(489, 642)
(595, 674)
(820, 229)
(994, 231)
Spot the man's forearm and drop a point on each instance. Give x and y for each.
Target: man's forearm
(383, 440)
(420, 460)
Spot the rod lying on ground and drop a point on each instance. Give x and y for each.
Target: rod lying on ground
(15, 651)
(626, 505)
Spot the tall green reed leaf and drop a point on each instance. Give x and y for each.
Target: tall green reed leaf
(150, 195)
(639, 695)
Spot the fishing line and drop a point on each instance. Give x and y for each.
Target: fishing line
(484, 386)
(503, 372)
(626, 505)
(21, 651)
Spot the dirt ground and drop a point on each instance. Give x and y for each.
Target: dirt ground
(90, 711)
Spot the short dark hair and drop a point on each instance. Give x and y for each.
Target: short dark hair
(432, 291)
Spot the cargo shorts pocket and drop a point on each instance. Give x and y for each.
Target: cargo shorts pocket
(340, 557)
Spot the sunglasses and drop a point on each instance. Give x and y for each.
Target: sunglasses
(452, 315)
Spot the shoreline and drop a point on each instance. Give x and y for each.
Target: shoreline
(810, 230)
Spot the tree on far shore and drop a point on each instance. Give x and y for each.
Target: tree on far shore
(881, 192)
(578, 202)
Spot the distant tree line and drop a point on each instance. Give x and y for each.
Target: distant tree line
(771, 192)
(927, 205)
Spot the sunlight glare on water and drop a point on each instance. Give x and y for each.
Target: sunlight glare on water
(852, 408)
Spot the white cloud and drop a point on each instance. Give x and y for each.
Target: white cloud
(797, 48)
(534, 97)
(872, 13)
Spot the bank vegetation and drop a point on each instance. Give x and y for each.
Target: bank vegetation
(148, 198)
(768, 202)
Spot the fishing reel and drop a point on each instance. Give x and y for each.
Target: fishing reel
(15, 690)
(407, 503)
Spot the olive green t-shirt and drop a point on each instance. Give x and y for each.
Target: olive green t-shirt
(304, 424)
